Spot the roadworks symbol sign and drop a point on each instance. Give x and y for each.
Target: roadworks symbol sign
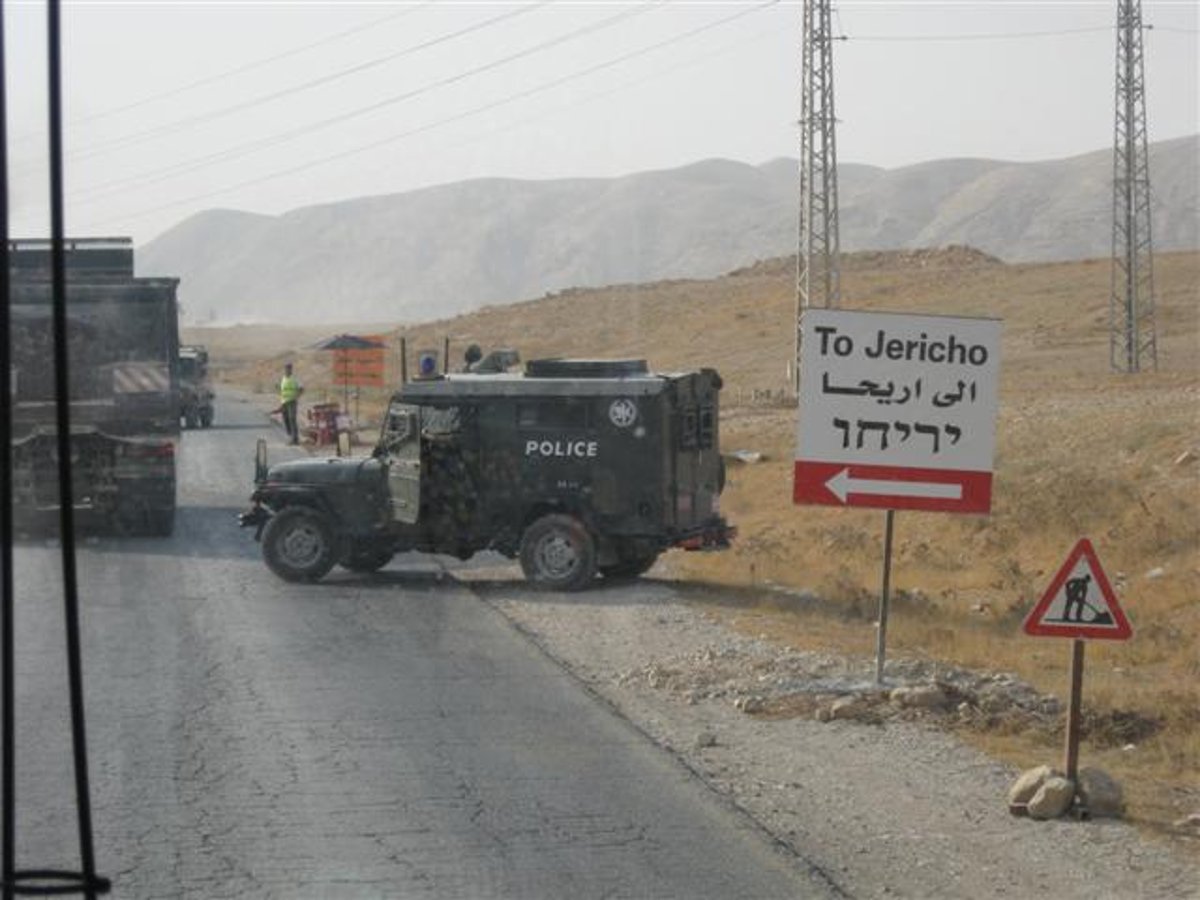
(1080, 602)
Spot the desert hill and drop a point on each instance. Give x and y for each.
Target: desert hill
(444, 250)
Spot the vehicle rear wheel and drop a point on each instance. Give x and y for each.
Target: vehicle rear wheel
(206, 417)
(298, 544)
(558, 553)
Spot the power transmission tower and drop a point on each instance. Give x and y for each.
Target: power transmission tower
(1131, 340)
(818, 279)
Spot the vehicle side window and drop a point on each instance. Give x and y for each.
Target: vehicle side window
(441, 421)
(401, 425)
(687, 428)
(697, 427)
(706, 427)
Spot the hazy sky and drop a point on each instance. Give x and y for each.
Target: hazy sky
(176, 107)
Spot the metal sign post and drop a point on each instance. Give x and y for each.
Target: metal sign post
(1079, 604)
(1071, 749)
(881, 636)
(897, 412)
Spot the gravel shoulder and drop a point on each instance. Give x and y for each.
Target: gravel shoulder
(884, 807)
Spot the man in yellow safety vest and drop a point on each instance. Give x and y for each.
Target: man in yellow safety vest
(289, 392)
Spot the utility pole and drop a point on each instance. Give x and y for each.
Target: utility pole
(818, 279)
(1131, 342)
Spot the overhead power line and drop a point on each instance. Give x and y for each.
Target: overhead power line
(235, 71)
(201, 118)
(512, 98)
(576, 101)
(241, 150)
(977, 36)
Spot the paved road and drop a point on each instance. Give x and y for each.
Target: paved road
(385, 736)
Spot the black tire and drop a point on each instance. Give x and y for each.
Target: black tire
(206, 417)
(630, 567)
(558, 553)
(367, 559)
(190, 418)
(298, 544)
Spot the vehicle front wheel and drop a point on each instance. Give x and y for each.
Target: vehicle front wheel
(298, 544)
(558, 553)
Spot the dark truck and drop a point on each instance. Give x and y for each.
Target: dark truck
(195, 391)
(123, 342)
(574, 467)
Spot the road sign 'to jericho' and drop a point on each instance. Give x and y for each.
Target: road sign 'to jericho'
(897, 411)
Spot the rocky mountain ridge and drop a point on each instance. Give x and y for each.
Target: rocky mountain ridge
(444, 250)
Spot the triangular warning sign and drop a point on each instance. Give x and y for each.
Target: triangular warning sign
(1080, 602)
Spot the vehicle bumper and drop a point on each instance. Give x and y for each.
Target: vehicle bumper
(256, 517)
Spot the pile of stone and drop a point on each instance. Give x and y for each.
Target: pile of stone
(759, 678)
(1045, 793)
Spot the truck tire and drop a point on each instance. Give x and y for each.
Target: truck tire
(206, 417)
(298, 544)
(558, 553)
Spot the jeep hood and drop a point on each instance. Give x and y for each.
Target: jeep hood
(323, 471)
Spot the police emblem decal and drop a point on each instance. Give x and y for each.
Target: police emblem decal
(623, 412)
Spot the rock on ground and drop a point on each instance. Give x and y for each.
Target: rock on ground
(1052, 799)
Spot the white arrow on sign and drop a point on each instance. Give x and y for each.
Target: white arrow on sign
(841, 485)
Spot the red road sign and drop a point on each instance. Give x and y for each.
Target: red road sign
(1080, 602)
(891, 487)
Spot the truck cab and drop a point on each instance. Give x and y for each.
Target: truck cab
(573, 467)
(195, 390)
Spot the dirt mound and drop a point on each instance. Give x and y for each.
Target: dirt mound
(954, 256)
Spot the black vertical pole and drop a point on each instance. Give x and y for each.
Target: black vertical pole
(881, 635)
(66, 498)
(1074, 712)
(6, 511)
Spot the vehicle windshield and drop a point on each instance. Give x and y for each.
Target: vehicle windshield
(608, 448)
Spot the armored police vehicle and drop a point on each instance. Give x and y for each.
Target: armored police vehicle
(574, 467)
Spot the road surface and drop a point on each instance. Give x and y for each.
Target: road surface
(383, 736)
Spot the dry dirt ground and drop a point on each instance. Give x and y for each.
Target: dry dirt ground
(1082, 451)
(883, 802)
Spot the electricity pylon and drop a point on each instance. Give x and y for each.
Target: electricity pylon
(818, 279)
(1131, 343)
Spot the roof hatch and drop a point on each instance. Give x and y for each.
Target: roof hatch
(585, 368)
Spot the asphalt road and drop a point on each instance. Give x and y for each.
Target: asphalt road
(385, 736)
